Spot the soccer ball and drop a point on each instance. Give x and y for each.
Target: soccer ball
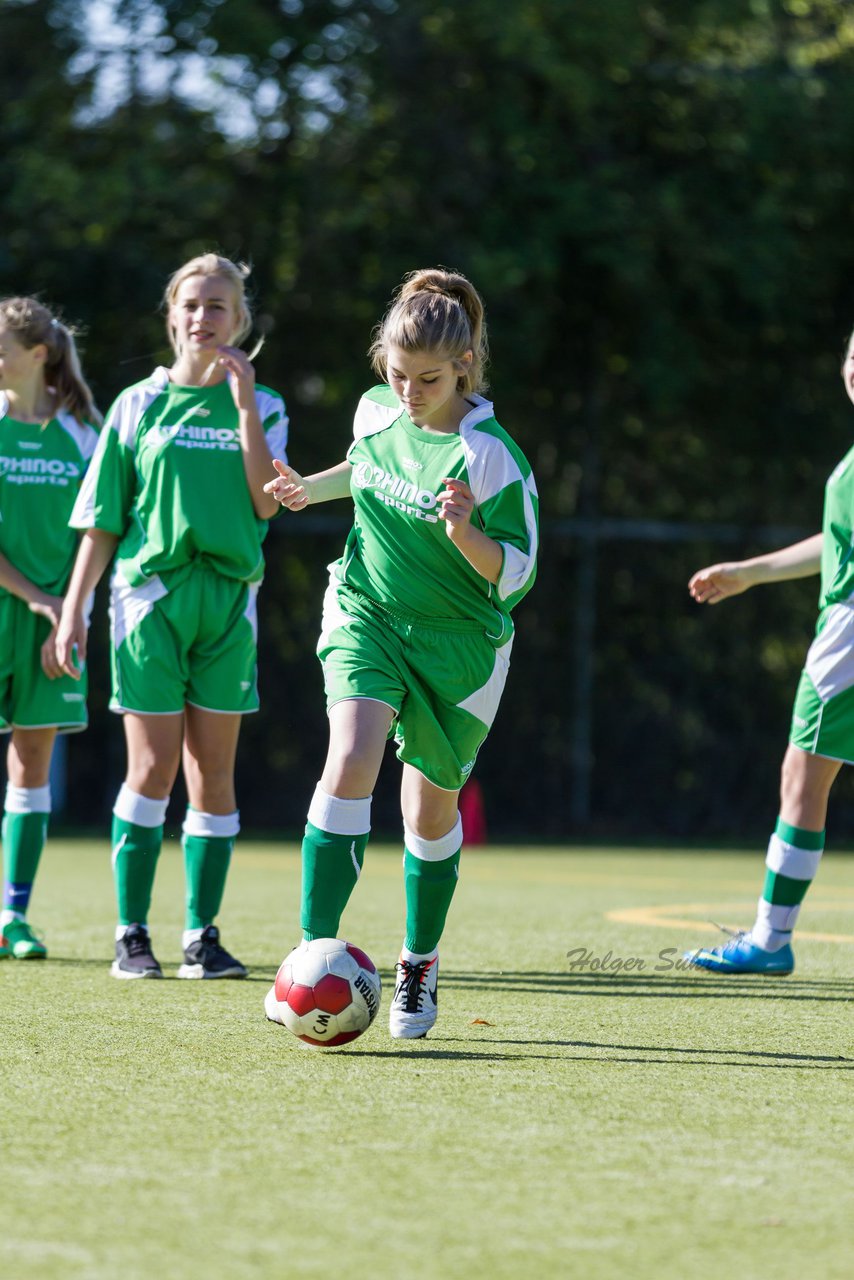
(327, 992)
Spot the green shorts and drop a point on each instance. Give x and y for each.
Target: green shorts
(188, 637)
(28, 700)
(823, 715)
(443, 685)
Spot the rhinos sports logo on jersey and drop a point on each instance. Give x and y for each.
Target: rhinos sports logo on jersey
(31, 470)
(396, 491)
(190, 436)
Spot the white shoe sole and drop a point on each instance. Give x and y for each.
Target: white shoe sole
(198, 971)
(117, 972)
(410, 1027)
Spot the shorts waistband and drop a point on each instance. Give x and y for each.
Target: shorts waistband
(460, 626)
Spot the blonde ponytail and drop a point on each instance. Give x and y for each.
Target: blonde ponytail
(439, 311)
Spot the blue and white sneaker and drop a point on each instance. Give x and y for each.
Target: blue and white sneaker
(742, 955)
(414, 1004)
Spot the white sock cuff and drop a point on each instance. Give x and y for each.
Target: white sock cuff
(27, 799)
(132, 807)
(789, 860)
(435, 850)
(197, 823)
(339, 817)
(773, 919)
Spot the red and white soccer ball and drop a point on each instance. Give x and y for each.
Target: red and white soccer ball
(327, 992)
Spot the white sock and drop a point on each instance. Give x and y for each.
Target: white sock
(416, 957)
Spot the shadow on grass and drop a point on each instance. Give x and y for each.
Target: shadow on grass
(687, 986)
(489, 1051)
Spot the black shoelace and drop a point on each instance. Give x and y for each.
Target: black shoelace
(410, 984)
(138, 943)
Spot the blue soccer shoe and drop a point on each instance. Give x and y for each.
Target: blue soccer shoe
(741, 955)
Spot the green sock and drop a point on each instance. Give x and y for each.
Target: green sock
(429, 889)
(331, 865)
(135, 853)
(206, 863)
(24, 836)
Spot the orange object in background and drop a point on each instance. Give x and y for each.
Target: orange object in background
(473, 813)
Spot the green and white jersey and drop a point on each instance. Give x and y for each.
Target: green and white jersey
(41, 469)
(837, 553)
(168, 480)
(398, 552)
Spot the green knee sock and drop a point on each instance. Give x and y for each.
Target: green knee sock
(206, 863)
(331, 865)
(135, 853)
(24, 836)
(429, 889)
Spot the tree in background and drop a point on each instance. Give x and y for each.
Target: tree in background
(657, 201)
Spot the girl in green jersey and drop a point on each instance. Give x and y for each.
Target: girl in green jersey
(821, 739)
(175, 491)
(416, 631)
(46, 441)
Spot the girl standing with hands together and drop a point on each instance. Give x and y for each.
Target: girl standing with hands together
(416, 632)
(176, 492)
(47, 437)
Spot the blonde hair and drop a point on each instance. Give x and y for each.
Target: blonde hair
(212, 264)
(440, 311)
(32, 324)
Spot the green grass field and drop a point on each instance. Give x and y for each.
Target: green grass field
(559, 1121)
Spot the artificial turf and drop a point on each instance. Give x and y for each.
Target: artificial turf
(603, 1113)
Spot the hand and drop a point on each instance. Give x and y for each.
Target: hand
(49, 660)
(289, 488)
(456, 504)
(71, 645)
(49, 607)
(719, 582)
(241, 375)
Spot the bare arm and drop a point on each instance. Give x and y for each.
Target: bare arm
(296, 492)
(720, 581)
(456, 506)
(257, 461)
(96, 551)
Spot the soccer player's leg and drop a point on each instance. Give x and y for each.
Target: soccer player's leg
(821, 740)
(339, 817)
(37, 707)
(792, 861)
(431, 869)
(361, 659)
(210, 829)
(221, 687)
(454, 688)
(338, 826)
(154, 752)
(25, 823)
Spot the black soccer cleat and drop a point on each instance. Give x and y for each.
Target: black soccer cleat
(134, 957)
(205, 958)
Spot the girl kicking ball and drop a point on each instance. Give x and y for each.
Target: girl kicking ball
(416, 633)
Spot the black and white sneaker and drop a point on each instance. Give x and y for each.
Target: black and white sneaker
(134, 957)
(414, 1005)
(205, 958)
